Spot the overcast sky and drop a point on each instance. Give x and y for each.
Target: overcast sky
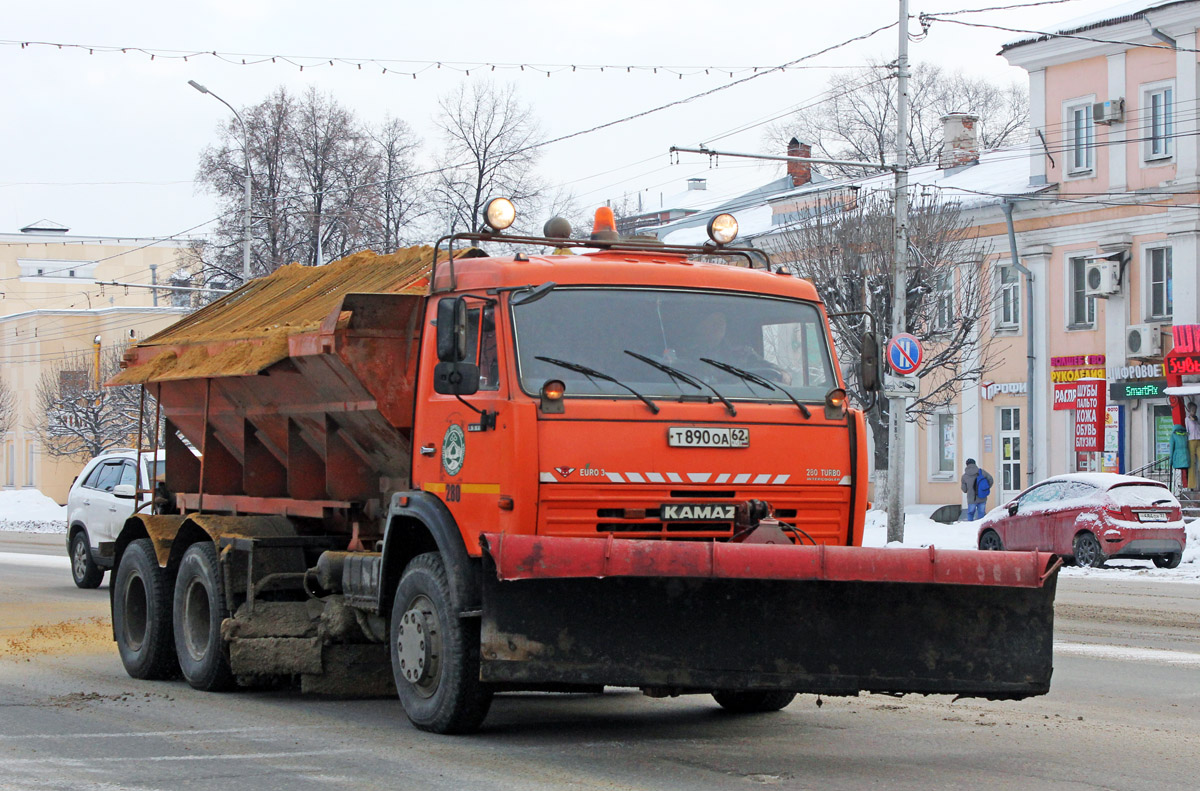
(108, 143)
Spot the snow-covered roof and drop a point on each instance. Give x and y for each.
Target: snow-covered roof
(1000, 173)
(1113, 15)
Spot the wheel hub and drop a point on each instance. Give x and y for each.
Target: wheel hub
(80, 559)
(417, 646)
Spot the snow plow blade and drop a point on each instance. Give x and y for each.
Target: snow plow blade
(683, 617)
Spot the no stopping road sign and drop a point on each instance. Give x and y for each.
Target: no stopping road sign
(904, 354)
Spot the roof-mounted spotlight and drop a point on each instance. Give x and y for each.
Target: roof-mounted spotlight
(500, 214)
(723, 229)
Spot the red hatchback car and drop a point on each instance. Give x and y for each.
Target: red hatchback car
(1090, 518)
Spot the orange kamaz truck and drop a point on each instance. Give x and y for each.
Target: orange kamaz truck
(446, 474)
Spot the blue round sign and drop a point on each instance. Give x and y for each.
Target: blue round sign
(904, 354)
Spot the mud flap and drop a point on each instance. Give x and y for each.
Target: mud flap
(826, 629)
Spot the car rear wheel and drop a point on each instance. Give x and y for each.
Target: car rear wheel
(1087, 551)
(990, 541)
(753, 702)
(84, 570)
(1168, 561)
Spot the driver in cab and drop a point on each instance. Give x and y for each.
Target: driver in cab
(709, 338)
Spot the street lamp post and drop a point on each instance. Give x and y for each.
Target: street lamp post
(246, 179)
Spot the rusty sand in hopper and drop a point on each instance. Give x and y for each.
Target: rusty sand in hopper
(292, 300)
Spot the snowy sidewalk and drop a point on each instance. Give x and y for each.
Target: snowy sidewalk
(30, 511)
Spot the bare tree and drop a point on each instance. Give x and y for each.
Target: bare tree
(8, 407)
(845, 247)
(323, 185)
(490, 133)
(77, 417)
(856, 118)
(401, 198)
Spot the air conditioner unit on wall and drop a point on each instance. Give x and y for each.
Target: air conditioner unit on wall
(1143, 340)
(1100, 278)
(1110, 112)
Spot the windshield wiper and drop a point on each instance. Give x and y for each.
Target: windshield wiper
(675, 373)
(758, 380)
(592, 373)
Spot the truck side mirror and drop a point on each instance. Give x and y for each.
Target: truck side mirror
(455, 378)
(452, 330)
(869, 362)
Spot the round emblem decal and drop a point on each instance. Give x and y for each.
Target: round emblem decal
(454, 446)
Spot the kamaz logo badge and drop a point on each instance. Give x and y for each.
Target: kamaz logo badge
(564, 472)
(697, 512)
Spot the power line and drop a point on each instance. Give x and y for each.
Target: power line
(1001, 7)
(1044, 35)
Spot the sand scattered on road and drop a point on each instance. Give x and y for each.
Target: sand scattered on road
(77, 636)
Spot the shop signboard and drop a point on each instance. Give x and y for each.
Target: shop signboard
(1089, 415)
(1064, 395)
(1135, 390)
(1163, 426)
(1081, 366)
(1112, 440)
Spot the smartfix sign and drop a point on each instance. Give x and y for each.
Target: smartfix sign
(1089, 415)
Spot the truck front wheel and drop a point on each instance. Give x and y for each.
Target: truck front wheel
(435, 654)
(753, 702)
(199, 610)
(142, 613)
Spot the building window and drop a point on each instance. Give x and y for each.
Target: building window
(1160, 282)
(1010, 298)
(1083, 307)
(1010, 449)
(1080, 138)
(945, 446)
(30, 455)
(1159, 111)
(943, 299)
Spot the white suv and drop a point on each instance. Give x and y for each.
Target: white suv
(102, 497)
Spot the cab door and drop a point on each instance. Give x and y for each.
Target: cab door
(461, 444)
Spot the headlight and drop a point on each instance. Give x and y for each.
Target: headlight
(500, 214)
(723, 228)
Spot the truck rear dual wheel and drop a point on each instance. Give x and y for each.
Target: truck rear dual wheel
(141, 613)
(199, 608)
(435, 654)
(753, 702)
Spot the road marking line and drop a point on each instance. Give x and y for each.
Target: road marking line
(1127, 653)
(210, 757)
(128, 734)
(42, 561)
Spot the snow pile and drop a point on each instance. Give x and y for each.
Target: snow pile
(30, 511)
(921, 531)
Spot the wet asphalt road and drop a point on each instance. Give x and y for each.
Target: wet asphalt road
(1123, 713)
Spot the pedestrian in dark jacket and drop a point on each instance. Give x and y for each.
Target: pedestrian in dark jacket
(977, 485)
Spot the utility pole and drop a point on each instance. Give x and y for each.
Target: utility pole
(896, 412)
(245, 180)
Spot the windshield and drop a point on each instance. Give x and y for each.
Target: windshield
(780, 341)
